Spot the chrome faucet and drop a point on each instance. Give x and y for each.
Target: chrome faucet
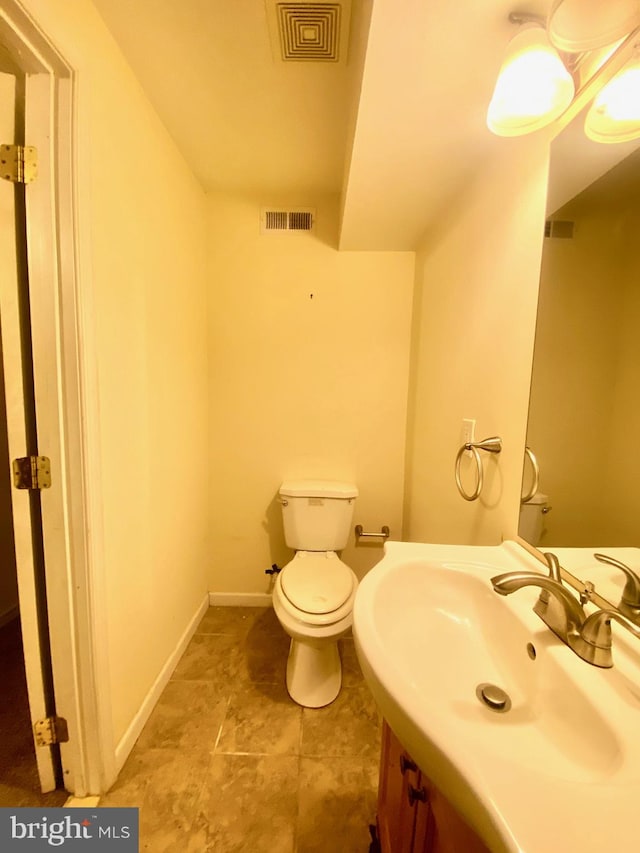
(629, 604)
(588, 636)
(556, 606)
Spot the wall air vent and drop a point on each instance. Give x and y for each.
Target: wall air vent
(559, 228)
(278, 220)
(309, 31)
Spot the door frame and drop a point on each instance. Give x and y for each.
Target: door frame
(65, 372)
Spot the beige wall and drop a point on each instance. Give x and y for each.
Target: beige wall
(621, 496)
(142, 217)
(474, 314)
(585, 413)
(309, 366)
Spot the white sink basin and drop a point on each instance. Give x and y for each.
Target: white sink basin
(559, 770)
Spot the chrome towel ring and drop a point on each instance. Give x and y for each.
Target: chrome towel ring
(536, 475)
(491, 445)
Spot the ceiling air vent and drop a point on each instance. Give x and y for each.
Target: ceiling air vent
(309, 31)
(562, 228)
(274, 221)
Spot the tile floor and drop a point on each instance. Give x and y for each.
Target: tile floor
(227, 762)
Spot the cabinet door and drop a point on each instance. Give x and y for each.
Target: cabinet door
(424, 830)
(413, 816)
(396, 811)
(450, 834)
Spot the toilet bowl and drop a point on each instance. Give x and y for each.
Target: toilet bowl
(314, 593)
(314, 604)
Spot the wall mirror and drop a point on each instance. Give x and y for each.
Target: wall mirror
(584, 413)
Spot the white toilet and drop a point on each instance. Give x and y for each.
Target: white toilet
(314, 593)
(532, 513)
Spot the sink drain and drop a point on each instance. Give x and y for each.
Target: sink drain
(494, 697)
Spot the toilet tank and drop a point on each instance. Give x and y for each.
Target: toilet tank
(531, 522)
(317, 514)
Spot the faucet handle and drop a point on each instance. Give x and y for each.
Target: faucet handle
(554, 566)
(593, 644)
(630, 601)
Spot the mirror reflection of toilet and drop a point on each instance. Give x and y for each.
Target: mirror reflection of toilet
(532, 513)
(314, 593)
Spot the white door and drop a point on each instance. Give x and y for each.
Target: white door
(20, 436)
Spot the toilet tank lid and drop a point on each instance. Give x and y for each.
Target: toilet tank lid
(318, 489)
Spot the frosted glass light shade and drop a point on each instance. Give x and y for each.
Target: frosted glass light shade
(578, 25)
(533, 87)
(615, 112)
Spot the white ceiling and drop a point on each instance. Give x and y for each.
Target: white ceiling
(397, 131)
(244, 122)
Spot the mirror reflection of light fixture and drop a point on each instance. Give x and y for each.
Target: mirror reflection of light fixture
(576, 26)
(533, 87)
(614, 115)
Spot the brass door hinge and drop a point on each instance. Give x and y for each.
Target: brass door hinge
(18, 163)
(32, 472)
(51, 730)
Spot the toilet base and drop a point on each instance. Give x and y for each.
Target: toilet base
(314, 672)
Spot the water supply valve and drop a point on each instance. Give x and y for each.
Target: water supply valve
(273, 570)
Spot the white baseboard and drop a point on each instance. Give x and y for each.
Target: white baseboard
(81, 802)
(132, 734)
(239, 599)
(9, 615)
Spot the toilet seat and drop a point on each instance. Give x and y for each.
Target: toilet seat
(317, 582)
(347, 583)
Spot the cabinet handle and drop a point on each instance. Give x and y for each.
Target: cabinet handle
(407, 764)
(417, 794)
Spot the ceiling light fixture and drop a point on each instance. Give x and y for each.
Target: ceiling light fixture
(533, 88)
(575, 26)
(614, 115)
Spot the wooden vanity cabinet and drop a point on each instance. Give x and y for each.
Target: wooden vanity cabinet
(413, 816)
